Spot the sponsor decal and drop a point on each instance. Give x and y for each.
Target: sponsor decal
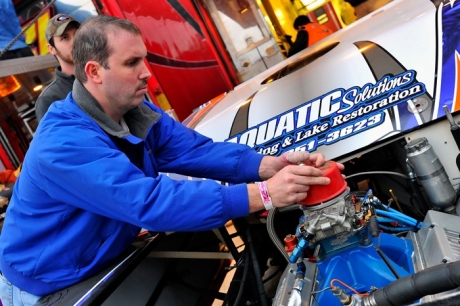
(334, 116)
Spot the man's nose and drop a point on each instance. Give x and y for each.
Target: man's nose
(145, 74)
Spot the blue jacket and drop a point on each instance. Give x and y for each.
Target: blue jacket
(87, 187)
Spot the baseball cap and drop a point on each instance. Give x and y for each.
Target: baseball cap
(57, 25)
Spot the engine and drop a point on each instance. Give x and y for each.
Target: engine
(349, 248)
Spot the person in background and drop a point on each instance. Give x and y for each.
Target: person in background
(60, 32)
(92, 178)
(308, 33)
(364, 7)
(10, 29)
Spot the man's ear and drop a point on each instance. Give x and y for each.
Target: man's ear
(52, 50)
(93, 71)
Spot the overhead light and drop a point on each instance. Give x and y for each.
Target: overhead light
(38, 83)
(307, 2)
(313, 5)
(243, 5)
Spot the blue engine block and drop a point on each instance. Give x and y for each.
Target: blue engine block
(361, 265)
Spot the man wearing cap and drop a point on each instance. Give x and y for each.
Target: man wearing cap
(60, 32)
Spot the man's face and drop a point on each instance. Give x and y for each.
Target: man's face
(124, 84)
(63, 44)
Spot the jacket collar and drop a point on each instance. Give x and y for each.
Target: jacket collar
(69, 77)
(139, 119)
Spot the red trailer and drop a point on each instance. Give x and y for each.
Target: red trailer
(183, 52)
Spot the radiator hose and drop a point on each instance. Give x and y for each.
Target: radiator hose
(411, 288)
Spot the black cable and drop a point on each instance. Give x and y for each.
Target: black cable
(406, 186)
(385, 259)
(243, 279)
(255, 266)
(238, 265)
(419, 213)
(203, 291)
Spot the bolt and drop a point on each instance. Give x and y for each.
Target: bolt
(444, 261)
(431, 226)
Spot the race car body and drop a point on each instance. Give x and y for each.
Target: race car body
(380, 96)
(388, 73)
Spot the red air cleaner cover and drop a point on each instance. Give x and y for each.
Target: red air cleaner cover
(322, 193)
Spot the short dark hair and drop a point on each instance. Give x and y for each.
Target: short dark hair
(91, 43)
(300, 21)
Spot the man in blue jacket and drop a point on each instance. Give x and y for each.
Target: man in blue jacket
(91, 179)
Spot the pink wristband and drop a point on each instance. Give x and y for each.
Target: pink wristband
(264, 195)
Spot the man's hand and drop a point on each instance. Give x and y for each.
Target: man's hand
(271, 165)
(289, 178)
(288, 186)
(292, 183)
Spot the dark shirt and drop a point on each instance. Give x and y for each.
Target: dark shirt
(301, 42)
(57, 90)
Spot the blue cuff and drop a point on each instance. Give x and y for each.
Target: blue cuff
(235, 201)
(248, 167)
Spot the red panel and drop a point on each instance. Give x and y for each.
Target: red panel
(332, 22)
(108, 7)
(165, 31)
(5, 159)
(189, 86)
(182, 57)
(13, 139)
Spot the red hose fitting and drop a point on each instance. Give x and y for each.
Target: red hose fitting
(290, 242)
